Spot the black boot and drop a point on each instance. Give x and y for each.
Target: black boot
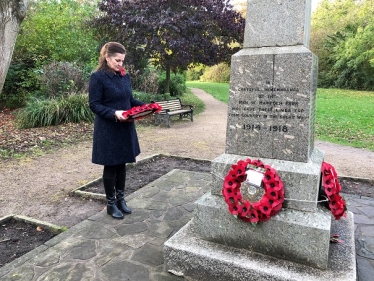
(120, 190)
(110, 194)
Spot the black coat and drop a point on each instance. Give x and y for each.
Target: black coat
(114, 142)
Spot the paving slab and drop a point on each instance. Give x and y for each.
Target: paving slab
(101, 248)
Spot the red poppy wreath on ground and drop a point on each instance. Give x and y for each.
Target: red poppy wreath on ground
(138, 112)
(332, 188)
(249, 201)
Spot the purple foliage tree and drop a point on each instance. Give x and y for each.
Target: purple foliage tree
(174, 34)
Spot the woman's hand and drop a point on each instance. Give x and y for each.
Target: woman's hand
(119, 116)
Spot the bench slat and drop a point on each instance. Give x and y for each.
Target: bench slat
(171, 108)
(175, 112)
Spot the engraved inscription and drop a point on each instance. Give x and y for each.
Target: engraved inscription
(271, 106)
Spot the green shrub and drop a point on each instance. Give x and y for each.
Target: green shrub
(40, 112)
(219, 73)
(57, 30)
(177, 85)
(62, 78)
(194, 73)
(21, 82)
(144, 82)
(147, 98)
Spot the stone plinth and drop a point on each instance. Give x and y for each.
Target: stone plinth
(196, 259)
(271, 109)
(277, 23)
(301, 180)
(303, 237)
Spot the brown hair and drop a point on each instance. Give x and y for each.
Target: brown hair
(109, 49)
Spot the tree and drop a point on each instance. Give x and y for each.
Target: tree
(174, 34)
(342, 37)
(56, 30)
(12, 13)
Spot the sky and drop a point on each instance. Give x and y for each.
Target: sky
(314, 3)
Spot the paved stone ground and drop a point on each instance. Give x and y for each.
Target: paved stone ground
(105, 249)
(363, 210)
(101, 248)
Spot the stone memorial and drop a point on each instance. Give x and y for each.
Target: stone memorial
(271, 116)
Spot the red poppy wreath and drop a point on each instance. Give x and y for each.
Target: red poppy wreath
(138, 112)
(332, 188)
(253, 191)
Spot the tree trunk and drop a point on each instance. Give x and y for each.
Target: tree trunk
(12, 13)
(167, 80)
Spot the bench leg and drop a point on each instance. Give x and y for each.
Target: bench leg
(168, 121)
(157, 120)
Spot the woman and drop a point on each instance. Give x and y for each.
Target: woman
(115, 141)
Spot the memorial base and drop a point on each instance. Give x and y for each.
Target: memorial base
(187, 255)
(294, 235)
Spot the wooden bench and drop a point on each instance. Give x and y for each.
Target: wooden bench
(171, 108)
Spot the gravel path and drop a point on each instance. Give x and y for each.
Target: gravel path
(39, 186)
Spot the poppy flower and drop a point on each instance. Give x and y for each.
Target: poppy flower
(230, 181)
(273, 185)
(252, 216)
(232, 197)
(244, 209)
(281, 194)
(268, 178)
(227, 192)
(263, 217)
(338, 187)
(242, 163)
(265, 207)
(234, 210)
(248, 161)
(272, 195)
(238, 170)
(155, 106)
(267, 167)
(125, 115)
(241, 178)
(255, 205)
(238, 195)
(277, 206)
(122, 71)
(326, 168)
(258, 163)
(328, 181)
(336, 205)
(271, 174)
(329, 191)
(336, 202)
(340, 213)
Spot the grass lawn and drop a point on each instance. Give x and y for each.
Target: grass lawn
(343, 116)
